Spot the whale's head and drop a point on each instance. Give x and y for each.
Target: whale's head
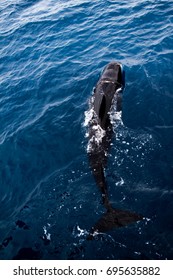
(111, 83)
(114, 73)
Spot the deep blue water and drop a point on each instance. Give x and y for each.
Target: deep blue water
(51, 56)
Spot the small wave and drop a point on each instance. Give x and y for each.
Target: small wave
(156, 190)
(11, 130)
(164, 126)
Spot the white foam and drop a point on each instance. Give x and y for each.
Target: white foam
(116, 118)
(48, 235)
(120, 183)
(88, 116)
(97, 135)
(80, 232)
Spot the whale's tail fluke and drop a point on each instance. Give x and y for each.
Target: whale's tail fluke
(114, 218)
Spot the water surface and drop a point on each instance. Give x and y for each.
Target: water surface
(51, 56)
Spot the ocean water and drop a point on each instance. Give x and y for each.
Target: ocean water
(51, 56)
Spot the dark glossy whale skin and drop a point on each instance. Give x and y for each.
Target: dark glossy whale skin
(111, 83)
(109, 86)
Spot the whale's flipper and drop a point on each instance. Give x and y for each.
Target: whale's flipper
(114, 218)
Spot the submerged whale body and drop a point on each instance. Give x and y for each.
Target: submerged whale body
(107, 91)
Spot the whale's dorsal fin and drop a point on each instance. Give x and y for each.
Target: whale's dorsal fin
(102, 108)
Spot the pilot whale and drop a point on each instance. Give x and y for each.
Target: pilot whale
(107, 91)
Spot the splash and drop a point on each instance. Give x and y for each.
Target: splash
(46, 234)
(114, 115)
(97, 136)
(79, 232)
(95, 133)
(89, 115)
